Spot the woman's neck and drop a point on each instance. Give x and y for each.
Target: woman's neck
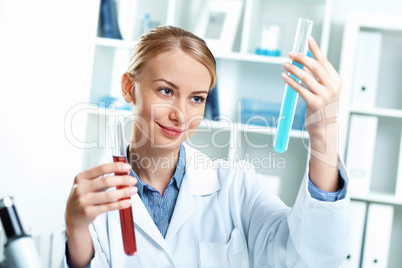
(155, 166)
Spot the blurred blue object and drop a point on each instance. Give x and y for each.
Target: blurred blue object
(212, 104)
(146, 22)
(118, 103)
(262, 113)
(109, 22)
(267, 52)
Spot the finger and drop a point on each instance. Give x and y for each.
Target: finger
(106, 182)
(307, 78)
(313, 65)
(304, 93)
(106, 197)
(102, 170)
(316, 51)
(312, 83)
(94, 211)
(320, 57)
(310, 72)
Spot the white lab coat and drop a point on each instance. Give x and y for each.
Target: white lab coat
(226, 216)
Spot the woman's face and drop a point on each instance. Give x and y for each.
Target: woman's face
(169, 99)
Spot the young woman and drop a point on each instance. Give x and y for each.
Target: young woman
(189, 212)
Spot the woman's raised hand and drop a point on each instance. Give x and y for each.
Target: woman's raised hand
(322, 100)
(323, 87)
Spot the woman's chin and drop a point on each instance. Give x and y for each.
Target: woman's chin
(166, 143)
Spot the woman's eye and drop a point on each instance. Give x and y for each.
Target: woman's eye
(166, 91)
(198, 99)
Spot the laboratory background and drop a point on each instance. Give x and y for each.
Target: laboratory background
(60, 68)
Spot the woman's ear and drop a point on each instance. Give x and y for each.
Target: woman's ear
(126, 86)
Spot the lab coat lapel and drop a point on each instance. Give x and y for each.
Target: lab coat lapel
(144, 221)
(200, 179)
(184, 208)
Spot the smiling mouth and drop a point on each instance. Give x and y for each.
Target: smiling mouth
(173, 132)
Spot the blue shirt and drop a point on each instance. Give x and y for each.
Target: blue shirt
(161, 207)
(328, 196)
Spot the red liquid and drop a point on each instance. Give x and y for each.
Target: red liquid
(126, 219)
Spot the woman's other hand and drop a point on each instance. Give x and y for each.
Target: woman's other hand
(90, 197)
(322, 100)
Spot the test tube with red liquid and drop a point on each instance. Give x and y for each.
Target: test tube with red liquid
(126, 215)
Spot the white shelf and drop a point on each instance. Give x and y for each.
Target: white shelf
(311, 2)
(114, 43)
(101, 111)
(384, 175)
(302, 134)
(251, 58)
(251, 128)
(378, 198)
(215, 124)
(385, 112)
(236, 56)
(378, 21)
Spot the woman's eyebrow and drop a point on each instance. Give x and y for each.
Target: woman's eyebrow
(167, 82)
(177, 87)
(200, 92)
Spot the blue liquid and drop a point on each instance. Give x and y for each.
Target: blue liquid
(286, 115)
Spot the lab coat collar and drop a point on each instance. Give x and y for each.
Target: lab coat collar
(200, 179)
(200, 172)
(143, 220)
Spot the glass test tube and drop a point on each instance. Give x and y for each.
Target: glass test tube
(126, 215)
(290, 96)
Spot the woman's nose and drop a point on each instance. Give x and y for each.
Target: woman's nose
(177, 114)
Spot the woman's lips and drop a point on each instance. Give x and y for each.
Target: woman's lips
(170, 131)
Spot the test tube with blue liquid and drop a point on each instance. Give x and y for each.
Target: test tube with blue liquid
(290, 96)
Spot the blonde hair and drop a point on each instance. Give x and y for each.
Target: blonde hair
(169, 38)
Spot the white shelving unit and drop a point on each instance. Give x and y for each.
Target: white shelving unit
(240, 72)
(385, 175)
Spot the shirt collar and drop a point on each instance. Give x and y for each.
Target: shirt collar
(178, 175)
(181, 166)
